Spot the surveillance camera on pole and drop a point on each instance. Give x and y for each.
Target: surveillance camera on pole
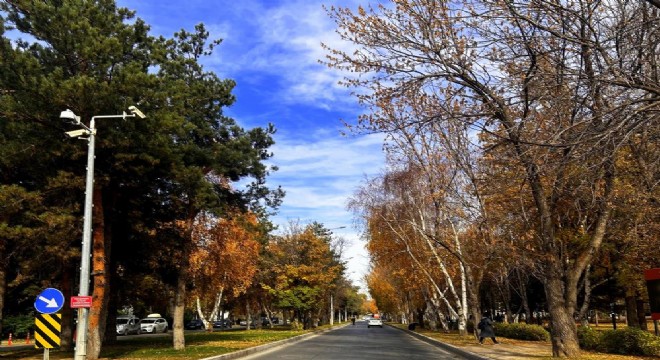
(77, 133)
(135, 111)
(70, 116)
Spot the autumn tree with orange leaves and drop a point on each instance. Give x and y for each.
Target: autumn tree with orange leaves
(409, 217)
(305, 271)
(224, 259)
(385, 286)
(369, 306)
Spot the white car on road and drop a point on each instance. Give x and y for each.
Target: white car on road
(153, 324)
(374, 322)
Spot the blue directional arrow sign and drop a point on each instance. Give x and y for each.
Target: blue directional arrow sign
(49, 301)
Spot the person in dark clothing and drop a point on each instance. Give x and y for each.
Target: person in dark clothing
(486, 329)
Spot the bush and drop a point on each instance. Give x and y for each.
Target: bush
(588, 338)
(522, 331)
(629, 341)
(295, 325)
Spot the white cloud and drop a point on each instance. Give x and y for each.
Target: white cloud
(319, 176)
(282, 39)
(326, 172)
(285, 40)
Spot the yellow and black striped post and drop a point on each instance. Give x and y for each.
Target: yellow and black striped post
(48, 329)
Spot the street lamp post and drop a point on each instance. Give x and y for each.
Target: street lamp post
(332, 299)
(90, 132)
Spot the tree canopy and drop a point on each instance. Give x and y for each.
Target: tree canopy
(532, 104)
(153, 176)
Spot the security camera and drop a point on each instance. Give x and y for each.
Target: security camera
(136, 112)
(69, 115)
(76, 133)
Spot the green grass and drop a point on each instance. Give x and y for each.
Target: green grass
(198, 345)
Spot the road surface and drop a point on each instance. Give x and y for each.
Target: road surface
(357, 342)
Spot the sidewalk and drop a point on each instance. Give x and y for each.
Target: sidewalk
(511, 351)
(488, 350)
(15, 346)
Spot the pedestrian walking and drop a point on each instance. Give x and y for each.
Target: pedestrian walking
(486, 329)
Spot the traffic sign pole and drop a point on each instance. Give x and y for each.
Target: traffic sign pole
(47, 334)
(48, 324)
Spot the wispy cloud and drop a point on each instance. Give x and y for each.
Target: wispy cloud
(262, 38)
(320, 174)
(323, 174)
(285, 40)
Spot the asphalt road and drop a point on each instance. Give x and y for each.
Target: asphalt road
(357, 342)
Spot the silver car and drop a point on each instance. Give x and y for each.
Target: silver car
(127, 325)
(153, 325)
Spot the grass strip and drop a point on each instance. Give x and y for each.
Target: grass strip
(199, 345)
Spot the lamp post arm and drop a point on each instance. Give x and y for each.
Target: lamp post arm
(123, 116)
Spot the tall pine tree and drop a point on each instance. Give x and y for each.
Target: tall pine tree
(152, 176)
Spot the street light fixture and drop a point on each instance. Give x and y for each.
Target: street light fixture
(337, 228)
(332, 298)
(81, 329)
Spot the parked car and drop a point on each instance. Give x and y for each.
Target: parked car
(128, 324)
(253, 323)
(225, 324)
(374, 322)
(154, 324)
(195, 324)
(264, 321)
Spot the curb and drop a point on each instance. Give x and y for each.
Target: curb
(440, 344)
(260, 348)
(19, 347)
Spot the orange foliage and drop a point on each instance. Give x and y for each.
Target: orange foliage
(304, 269)
(226, 254)
(369, 306)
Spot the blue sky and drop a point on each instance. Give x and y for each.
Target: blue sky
(271, 49)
